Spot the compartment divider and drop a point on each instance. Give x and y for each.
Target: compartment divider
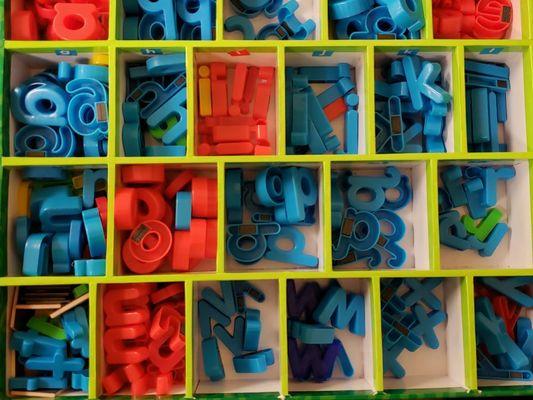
(191, 96)
(531, 189)
(53, 161)
(283, 347)
(469, 331)
(326, 217)
(432, 175)
(110, 229)
(377, 346)
(43, 280)
(219, 19)
(370, 125)
(427, 31)
(221, 217)
(47, 46)
(189, 337)
(280, 91)
(95, 326)
(116, 266)
(528, 85)
(115, 108)
(166, 160)
(459, 99)
(114, 23)
(526, 10)
(324, 20)
(503, 273)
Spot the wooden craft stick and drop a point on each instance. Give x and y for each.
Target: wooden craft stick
(13, 310)
(38, 306)
(48, 395)
(70, 305)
